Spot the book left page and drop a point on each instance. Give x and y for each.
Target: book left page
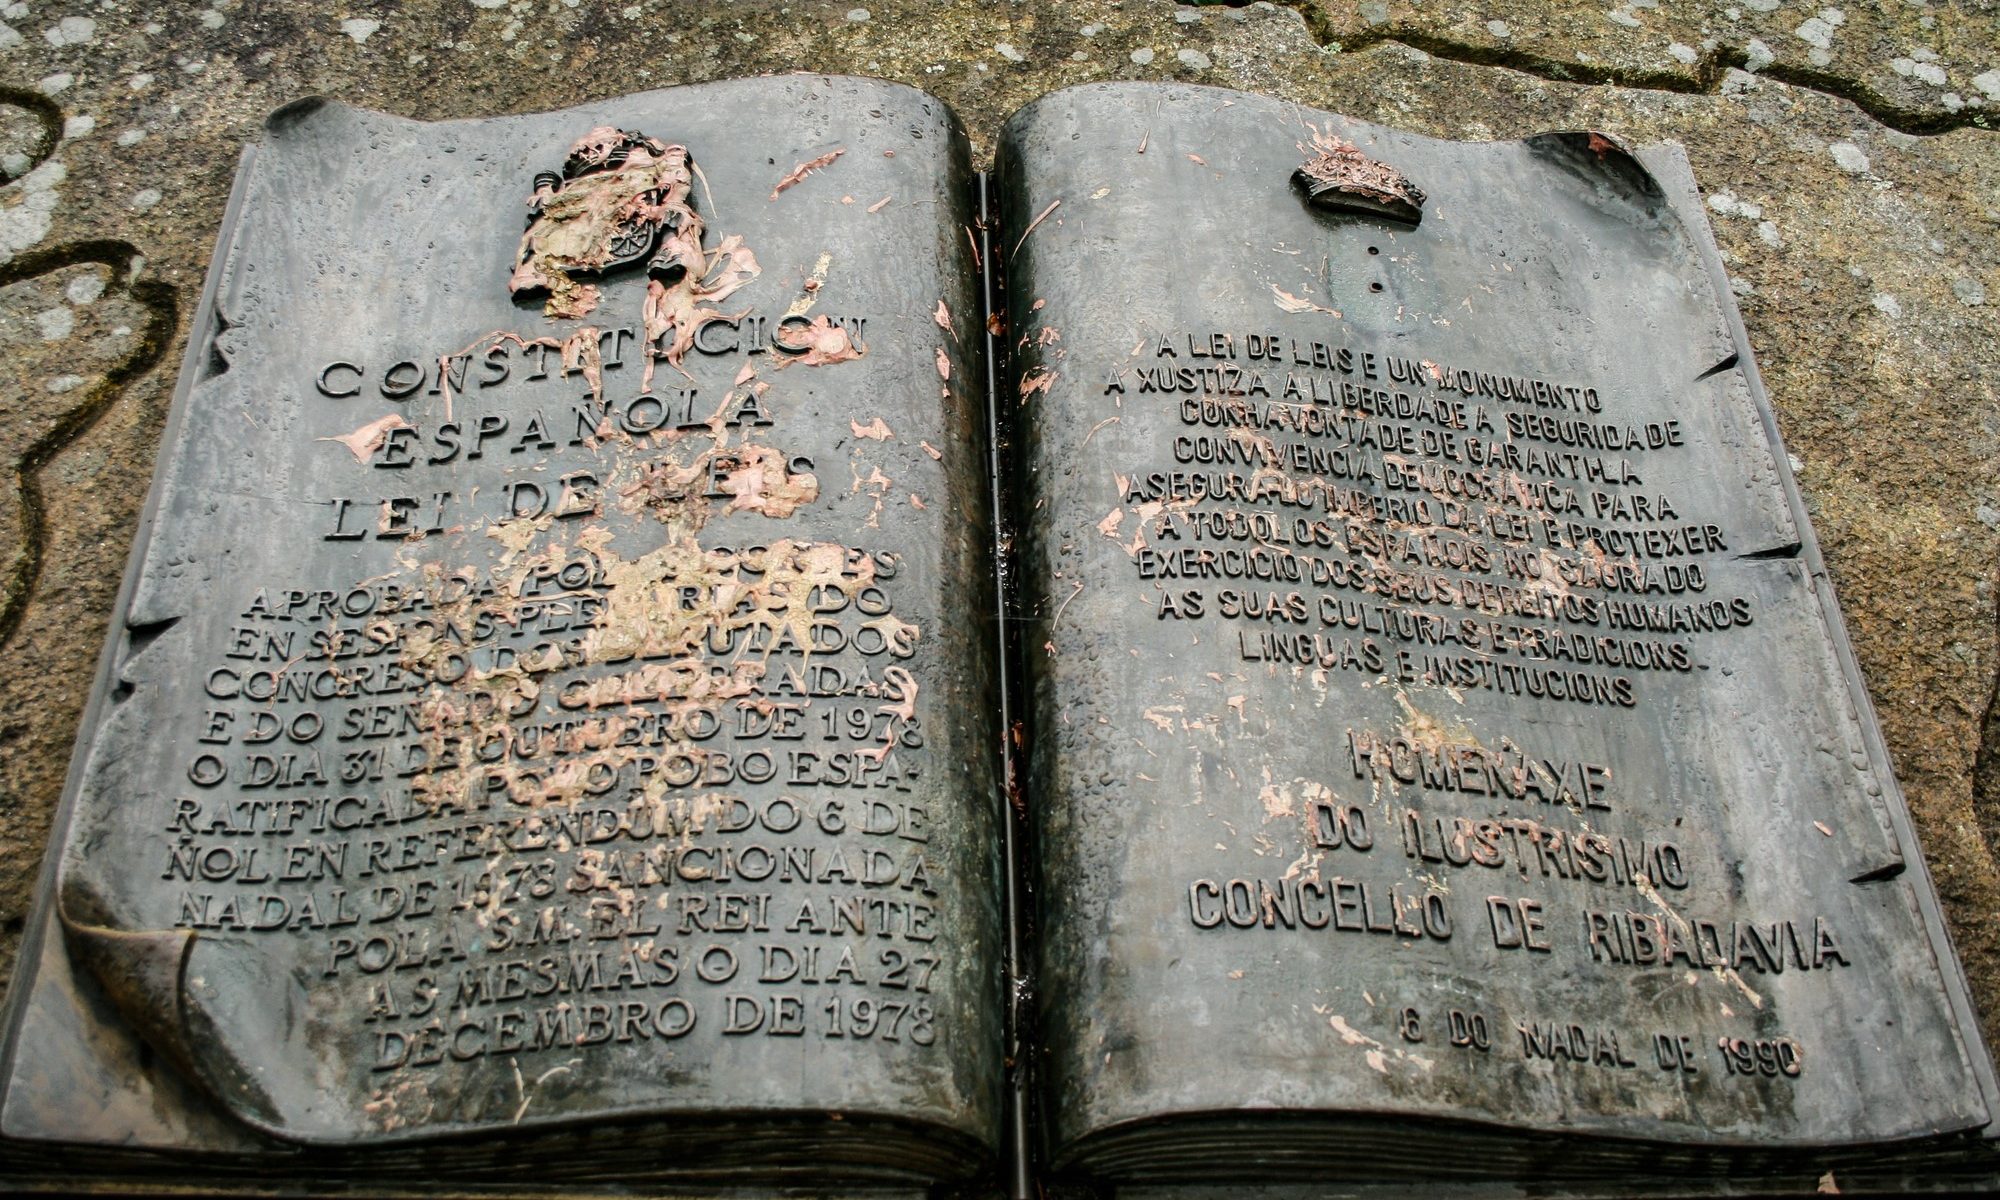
(555, 685)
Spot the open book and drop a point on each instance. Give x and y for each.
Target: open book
(698, 636)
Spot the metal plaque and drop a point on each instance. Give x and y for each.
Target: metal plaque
(551, 695)
(554, 712)
(1442, 730)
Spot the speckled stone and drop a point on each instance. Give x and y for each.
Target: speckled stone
(1915, 66)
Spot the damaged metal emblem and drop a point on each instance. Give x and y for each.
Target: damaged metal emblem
(1338, 177)
(621, 197)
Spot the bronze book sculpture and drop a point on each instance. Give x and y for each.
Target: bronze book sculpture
(1247, 647)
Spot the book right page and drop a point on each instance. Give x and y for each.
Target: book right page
(1437, 727)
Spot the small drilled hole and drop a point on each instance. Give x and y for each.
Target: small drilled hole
(1375, 287)
(1374, 249)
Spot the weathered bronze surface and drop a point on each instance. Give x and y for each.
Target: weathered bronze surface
(560, 715)
(555, 709)
(1442, 732)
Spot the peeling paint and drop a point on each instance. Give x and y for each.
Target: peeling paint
(366, 440)
(1337, 175)
(797, 174)
(617, 194)
(821, 343)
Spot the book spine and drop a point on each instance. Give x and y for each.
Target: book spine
(1019, 1157)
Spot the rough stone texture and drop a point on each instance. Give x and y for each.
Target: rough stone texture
(1918, 67)
(1854, 188)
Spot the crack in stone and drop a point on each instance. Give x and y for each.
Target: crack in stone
(1986, 766)
(160, 303)
(1709, 71)
(47, 114)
